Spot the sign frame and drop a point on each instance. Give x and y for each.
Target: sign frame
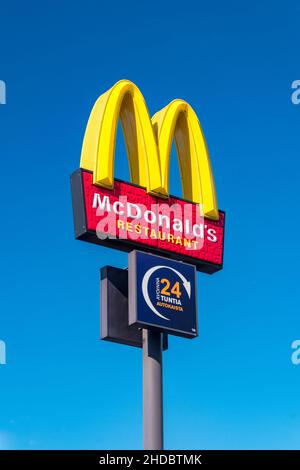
(133, 293)
(82, 232)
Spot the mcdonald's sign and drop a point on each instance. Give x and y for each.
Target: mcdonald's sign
(142, 214)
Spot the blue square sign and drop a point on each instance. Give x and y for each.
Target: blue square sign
(162, 294)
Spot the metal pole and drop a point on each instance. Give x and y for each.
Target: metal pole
(152, 390)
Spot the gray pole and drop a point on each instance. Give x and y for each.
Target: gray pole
(152, 390)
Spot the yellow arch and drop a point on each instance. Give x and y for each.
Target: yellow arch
(123, 100)
(179, 120)
(149, 145)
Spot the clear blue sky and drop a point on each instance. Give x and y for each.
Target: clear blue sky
(233, 387)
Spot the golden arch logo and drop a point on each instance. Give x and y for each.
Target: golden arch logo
(141, 214)
(148, 143)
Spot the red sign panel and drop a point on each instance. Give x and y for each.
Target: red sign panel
(127, 217)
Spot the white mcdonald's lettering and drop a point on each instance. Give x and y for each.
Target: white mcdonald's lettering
(136, 208)
(103, 205)
(153, 216)
(150, 217)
